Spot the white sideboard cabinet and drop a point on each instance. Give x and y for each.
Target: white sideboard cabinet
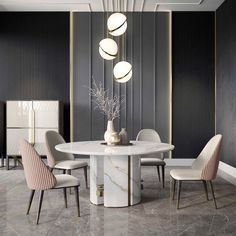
(30, 120)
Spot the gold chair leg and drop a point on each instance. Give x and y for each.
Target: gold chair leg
(179, 183)
(213, 195)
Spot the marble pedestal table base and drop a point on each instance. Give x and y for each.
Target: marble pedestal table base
(119, 179)
(114, 170)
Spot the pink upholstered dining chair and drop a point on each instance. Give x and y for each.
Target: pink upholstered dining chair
(61, 160)
(39, 177)
(204, 168)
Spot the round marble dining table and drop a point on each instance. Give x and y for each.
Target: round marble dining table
(115, 171)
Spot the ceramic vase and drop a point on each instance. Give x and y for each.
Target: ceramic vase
(124, 137)
(114, 139)
(109, 132)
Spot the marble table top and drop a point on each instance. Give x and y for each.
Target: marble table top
(96, 148)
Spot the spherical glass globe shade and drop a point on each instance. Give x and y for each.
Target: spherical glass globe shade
(117, 24)
(122, 71)
(108, 49)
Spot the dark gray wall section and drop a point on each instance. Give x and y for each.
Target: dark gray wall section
(193, 82)
(146, 45)
(226, 79)
(34, 58)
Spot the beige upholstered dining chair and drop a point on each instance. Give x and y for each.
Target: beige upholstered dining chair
(39, 177)
(204, 169)
(60, 160)
(152, 159)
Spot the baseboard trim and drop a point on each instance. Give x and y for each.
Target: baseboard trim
(227, 172)
(179, 162)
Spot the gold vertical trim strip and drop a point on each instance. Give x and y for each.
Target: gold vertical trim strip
(129, 179)
(215, 73)
(71, 76)
(154, 71)
(170, 80)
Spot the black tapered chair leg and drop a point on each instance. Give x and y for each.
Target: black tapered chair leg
(158, 172)
(173, 188)
(163, 176)
(205, 188)
(179, 183)
(213, 194)
(40, 205)
(65, 197)
(30, 201)
(77, 199)
(69, 173)
(86, 176)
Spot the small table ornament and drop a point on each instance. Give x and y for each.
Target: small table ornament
(124, 139)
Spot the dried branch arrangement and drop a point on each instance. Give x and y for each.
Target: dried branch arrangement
(108, 105)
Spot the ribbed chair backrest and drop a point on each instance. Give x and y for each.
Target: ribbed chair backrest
(152, 136)
(208, 159)
(52, 138)
(37, 174)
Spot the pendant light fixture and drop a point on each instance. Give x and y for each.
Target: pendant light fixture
(117, 24)
(122, 71)
(108, 49)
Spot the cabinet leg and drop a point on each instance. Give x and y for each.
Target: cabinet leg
(15, 161)
(7, 162)
(2, 160)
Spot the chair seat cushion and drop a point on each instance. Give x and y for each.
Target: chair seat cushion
(185, 174)
(152, 162)
(64, 181)
(70, 164)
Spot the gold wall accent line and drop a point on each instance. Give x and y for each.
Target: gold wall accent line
(215, 74)
(71, 76)
(180, 3)
(129, 178)
(170, 80)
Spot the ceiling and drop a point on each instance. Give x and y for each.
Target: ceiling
(109, 5)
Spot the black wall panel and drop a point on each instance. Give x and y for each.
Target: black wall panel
(34, 58)
(226, 79)
(147, 95)
(193, 82)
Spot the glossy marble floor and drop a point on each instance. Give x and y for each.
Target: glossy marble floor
(156, 215)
